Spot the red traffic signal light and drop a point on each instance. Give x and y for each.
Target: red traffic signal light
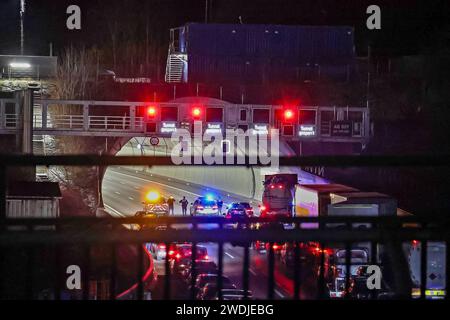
(196, 112)
(151, 111)
(289, 115)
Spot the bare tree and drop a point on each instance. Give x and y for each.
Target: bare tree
(75, 69)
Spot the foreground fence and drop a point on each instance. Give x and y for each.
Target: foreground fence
(385, 235)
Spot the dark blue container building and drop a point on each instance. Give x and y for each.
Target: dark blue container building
(259, 54)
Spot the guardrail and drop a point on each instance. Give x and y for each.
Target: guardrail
(389, 232)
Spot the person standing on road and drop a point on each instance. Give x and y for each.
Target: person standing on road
(184, 204)
(220, 205)
(170, 202)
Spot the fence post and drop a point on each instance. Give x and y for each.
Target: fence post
(399, 265)
(133, 117)
(2, 115)
(27, 128)
(44, 115)
(86, 116)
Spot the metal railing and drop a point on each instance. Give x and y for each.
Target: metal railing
(77, 122)
(390, 232)
(66, 115)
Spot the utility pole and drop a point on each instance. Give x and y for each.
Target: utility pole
(368, 75)
(206, 10)
(22, 17)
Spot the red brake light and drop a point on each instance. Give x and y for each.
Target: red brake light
(275, 247)
(262, 208)
(200, 207)
(280, 186)
(162, 246)
(215, 207)
(178, 256)
(206, 257)
(272, 186)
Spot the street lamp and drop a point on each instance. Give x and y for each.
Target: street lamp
(20, 65)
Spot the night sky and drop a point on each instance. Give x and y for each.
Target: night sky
(408, 26)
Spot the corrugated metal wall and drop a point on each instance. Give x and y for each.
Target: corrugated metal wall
(32, 208)
(304, 43)
(264, 53)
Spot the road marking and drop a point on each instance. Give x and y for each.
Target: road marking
(252, 272)
(117, 192)
(115, 211)
(131, 198)
(229, 255)
(162, 184)
(278, 293)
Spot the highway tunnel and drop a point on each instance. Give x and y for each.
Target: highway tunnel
(243, 182)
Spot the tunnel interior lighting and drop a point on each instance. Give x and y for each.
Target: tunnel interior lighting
(20, 65)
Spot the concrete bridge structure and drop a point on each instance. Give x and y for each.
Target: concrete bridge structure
(131, 128)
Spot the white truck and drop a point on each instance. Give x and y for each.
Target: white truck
(376, 204)
(435, 269)
(312, 200)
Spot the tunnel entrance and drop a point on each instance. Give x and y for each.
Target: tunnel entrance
(124, 188)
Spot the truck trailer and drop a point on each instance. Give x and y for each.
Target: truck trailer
(312, 200)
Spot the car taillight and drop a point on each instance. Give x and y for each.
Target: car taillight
(280, 186)
(215, 207)
(263, 208)
(200, 208)
(162, 246)
(275, 246)
(272, 186)
(178, 256)
(317, 250)
(206, 257)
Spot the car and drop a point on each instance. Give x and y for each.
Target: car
(154, 204)
(234, 294)
(204, 206)
(201, 266)
(181, 255)
(307, 253)
(209, 291)
(205, 278)
(263, 247)
(157, 250)
(239, 210)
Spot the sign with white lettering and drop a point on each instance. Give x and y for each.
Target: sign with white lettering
(307, 130)
(341, 128)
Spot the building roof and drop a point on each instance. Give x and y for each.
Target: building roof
(328, 188)
(32, 189)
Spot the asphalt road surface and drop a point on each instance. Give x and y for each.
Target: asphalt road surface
(123, 191)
